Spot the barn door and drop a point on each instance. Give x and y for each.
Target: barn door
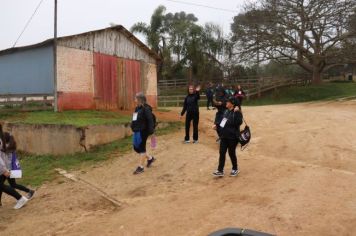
(105, 74)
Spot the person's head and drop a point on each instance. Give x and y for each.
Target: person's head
(191, 89)
(231, 103)
(238, 86)
(140, 99)
(9, 141)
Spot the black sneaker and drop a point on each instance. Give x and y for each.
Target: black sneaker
(139, 170)
(218, 173)
(234, 172)
(30, 194)
(149, 162)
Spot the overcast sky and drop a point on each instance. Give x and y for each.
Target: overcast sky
(77, 16)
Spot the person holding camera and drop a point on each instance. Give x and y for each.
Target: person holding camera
(229, 136)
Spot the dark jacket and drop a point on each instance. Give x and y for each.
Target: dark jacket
(191, 103)
(231, 130)
(144, 121)
(209, 92)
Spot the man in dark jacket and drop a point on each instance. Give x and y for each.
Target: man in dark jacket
(229, 136)
(142, 125)
(191, 106)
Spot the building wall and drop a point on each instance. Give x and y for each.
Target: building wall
(27, 72)
(75, 83)
(149, 72)
(110, 42)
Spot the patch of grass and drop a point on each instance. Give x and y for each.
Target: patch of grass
(76, 118)
(327, 91)
(163, 110)
(38, 169)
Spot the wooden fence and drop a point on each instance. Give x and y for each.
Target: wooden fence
(254, 88)
(26, 102)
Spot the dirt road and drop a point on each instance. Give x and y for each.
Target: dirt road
(298, 177)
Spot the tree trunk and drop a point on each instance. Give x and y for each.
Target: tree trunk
(316, 76)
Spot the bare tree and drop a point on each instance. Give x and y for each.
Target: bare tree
(310, 33)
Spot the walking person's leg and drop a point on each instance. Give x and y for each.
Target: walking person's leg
(232, 153)
(21, 201)
(15, 185)
(195, 127)
(144, 156)
(222, 156)
(188, 119)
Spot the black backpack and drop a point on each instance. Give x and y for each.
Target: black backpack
(245, 136)
(153, 116)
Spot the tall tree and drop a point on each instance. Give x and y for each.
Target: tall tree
(306, 32)
(155, 32)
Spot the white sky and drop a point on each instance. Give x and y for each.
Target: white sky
(77, 16)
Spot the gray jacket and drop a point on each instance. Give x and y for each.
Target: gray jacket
(5, 161)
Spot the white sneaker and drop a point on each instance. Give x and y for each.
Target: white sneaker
(21, 202)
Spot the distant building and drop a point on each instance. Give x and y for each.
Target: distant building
(100, 69)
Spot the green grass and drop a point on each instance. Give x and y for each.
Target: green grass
(38, 169)
(76, 118)
(327, 91)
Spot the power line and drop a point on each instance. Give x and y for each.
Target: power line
(201, 5)
(28, 22)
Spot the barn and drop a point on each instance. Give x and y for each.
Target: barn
(100, 69)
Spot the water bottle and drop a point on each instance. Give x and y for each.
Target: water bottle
(153, 142)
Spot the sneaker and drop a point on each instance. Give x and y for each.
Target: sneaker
(30, 194)
(218, 173)
(149, 162)
(186, 141)
(21, 202)
(195, 141)
(139, 170)
(234, 172)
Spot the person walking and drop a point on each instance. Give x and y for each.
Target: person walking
(191, 107)
(5, 173)
(11, 153)
(229, 136)
(239, 94)
(142, 125)
(209, 96)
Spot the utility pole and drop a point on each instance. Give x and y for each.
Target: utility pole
(55, 58)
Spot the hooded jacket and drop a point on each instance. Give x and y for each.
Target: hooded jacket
(144, 121)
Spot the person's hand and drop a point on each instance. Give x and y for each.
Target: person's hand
(236, 109)
(214, 127)
(7, 173)
(197, 88)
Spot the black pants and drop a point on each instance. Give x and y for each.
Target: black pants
(209, 102)
(230, 145)
(188, 118)
(7, 189)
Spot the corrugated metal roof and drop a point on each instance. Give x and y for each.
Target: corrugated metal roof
(120, 28)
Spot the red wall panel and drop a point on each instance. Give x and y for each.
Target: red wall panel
(75, 101)
(133, 81)
(105, 72)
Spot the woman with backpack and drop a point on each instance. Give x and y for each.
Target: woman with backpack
(11, 153)
(191, 107)
(142, 125)
(5, 173)
(229, 136)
